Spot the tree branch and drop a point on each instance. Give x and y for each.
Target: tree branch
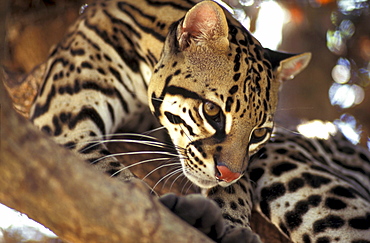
(55, 188)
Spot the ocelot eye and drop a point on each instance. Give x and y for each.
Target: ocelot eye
(211, 109)
(259, 134)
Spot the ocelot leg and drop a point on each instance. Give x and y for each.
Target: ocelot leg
(236, 205)
(205, 215)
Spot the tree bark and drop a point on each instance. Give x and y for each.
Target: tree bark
(52, 186)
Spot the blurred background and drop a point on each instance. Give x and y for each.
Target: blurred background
(334, 87)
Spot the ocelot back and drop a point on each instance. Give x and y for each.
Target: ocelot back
(210, 84)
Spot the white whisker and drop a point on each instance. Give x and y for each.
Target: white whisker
(167, 176)
(157, 144)
(185, 133)
(173, 182)
(187, 190)
(158, 168)
(154, 130)
(137, 153)
(177, 171)
(286, 129)
(140, 163)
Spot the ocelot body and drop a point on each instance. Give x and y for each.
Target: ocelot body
(213, 87)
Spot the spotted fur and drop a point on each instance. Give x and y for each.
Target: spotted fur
(214, 88)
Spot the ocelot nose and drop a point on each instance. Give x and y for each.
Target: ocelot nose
(225, 174)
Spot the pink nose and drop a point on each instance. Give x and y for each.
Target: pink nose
(226, 175)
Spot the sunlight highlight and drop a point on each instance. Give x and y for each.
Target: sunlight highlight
(271, 20)
(317, 129)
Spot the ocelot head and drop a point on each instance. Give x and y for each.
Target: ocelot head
(215, 90)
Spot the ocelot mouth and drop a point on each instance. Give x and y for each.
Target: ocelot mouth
(205, 183)
(211, 182)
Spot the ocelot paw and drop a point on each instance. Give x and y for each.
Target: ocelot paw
(205, 215)
(239, 235)
(197, 211)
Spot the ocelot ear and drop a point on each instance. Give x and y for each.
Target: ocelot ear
(287, 65)
(204, 25)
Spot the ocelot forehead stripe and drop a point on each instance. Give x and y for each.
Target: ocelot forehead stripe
(174, 90)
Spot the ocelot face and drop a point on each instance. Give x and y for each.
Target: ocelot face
(215, 90)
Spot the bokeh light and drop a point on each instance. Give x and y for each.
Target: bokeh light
(246, 3)
(335, 42)
(346, 96)
(354, 7)
(341, 73)
(347, 124)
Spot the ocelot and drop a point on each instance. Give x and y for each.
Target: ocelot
(214, 88)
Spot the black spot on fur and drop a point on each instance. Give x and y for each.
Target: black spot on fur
(342, 192)
(331, 221)
(220, 202)
(233, 205)
(64, 117)
(314, 200)
(230, 189)
(101, 71)
(88, 114)
(115, 164)
(269, 194)
(334, 203)
(315, 181)
(86, 65)
(281, 151)
(256, 174)
(364, 157)
(229, 102)
(69, 145)
(306, 238)
(295, 184)
(57, 127)
(323, 240)
(46, 129)
(232, 219)
(362, 223)
(294, 218)
(241, 202)
(283, 167)
(236, 77)
(177, 72)
(234, 89)
(113, 172)
(284, 229)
